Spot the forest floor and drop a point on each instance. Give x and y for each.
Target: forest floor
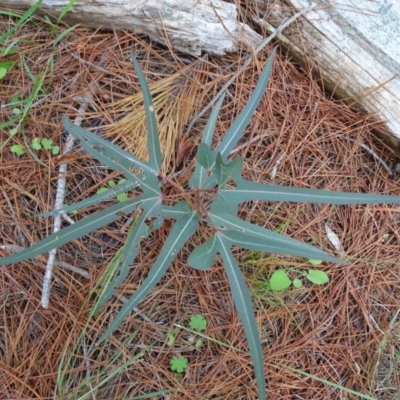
(339, 340)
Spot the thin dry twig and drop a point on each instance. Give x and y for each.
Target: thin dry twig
(12, 248)
(60, 194)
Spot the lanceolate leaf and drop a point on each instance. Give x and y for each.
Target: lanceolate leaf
(153, 140)
(109, 194)
(76, 230)
(203, 257)
(210, 127)
(126, 257)
(292, 246)
(275, 245)
(199, 175)
(180, 233)
(106, 152)
(247, 190)
(244, 308)
(236, 131)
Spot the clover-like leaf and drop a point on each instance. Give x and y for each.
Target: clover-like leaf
(17, 149)
(55, 150)
(198, 322)
(179, 364)
(36, 144)
(297, 283)
(47, 144)
(279, 280)
(317, 277)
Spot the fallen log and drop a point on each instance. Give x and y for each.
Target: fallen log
(353, 47)
(190, 26)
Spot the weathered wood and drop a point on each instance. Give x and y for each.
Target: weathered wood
(353, 46)
(191, 26)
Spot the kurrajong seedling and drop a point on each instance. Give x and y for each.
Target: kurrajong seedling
(209, 200)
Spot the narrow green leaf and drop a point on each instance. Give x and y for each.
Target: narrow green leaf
(67, 7)
(317, 277)
(72, 232)
(247, 190)
(182, 230)
(62, 35)
(279, 280)
(21, 20)
(153, 139)
(106, 152)
(107, 194)
(244, 308)
(282, 243)
(203, 257)
(200, 174)
(208, 133)
(138, 231)
(236, 131)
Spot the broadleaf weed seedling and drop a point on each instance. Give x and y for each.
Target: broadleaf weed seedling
(212, 177)
(37, 144)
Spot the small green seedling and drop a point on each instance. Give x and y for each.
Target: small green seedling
(121, 197)
(198, 323)
(281, 281)
(17, 149)
(179, 364)
(37, 144)
(5, 66)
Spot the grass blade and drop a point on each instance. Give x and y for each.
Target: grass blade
(21, 20)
